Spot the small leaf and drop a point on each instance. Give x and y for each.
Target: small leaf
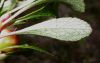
(28, 47)
(1, 4)
(77, 5)
(42, 12)
(9, 5)
(3, 56)
(68, 29)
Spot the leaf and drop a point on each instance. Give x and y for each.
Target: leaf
(68, 29)
(1, 4)
(77, 5)
(9, 5)
(3, 56)
(28, 47)
(42, 12)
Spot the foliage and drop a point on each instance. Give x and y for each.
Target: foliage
(66, 29)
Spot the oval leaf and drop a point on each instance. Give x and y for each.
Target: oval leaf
(77, 5)
(68, 29)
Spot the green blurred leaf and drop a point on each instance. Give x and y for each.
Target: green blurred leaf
(77, 5)
(42, 12)
(26, 46)
(1, 5)
(3, 56)
(9, 5)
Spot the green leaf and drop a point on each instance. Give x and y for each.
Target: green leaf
(77, 5)
(28, 47)
(3, 56)
(9, 5)
(1, 4)
(42, 12)
(68, 29)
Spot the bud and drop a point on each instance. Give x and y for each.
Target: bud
(7, 41)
